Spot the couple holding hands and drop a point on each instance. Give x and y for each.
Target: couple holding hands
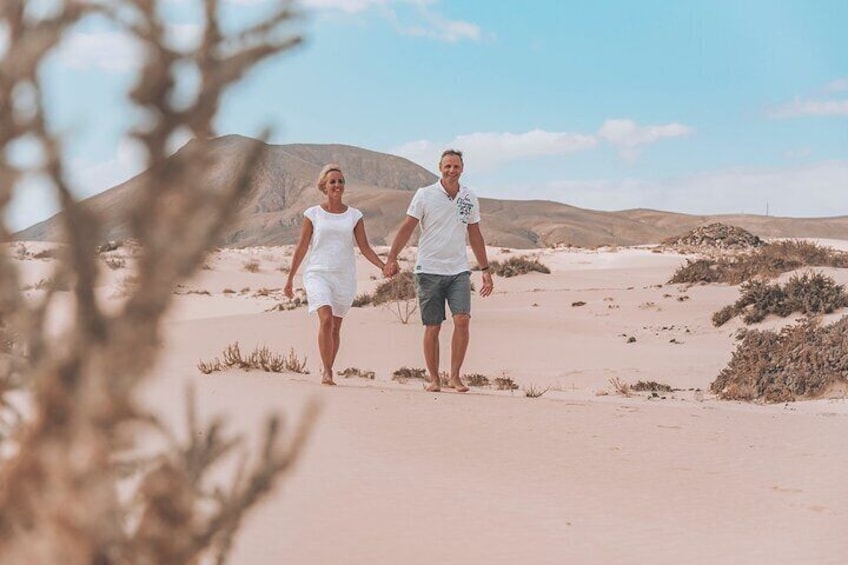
(447, 212)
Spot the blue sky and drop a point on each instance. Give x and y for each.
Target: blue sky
(692, 106)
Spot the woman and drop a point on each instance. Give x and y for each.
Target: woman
(330, 273)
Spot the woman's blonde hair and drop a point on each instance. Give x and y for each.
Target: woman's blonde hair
(322, 176)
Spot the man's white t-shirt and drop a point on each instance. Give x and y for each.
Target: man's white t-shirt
(444, 228)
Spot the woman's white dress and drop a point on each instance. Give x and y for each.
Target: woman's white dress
(330, 274)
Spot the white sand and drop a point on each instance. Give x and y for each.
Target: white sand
(393, 474)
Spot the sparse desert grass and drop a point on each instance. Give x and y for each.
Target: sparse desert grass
(350, 372)
(266, 291)
(288, 305)
(764, 262)
(504, 383)
(251, 266)
(515, 266)
(807, 293)
(651, 386)
(261, 358)
(620, 387)
(228, 291)
(50, 253)
(405, 374)
(533, 391)
(477, 380)
(804, 360)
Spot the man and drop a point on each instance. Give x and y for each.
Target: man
(446, 212)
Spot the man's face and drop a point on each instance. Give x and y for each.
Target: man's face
(450, 167)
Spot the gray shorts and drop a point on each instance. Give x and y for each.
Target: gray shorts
(434, 290)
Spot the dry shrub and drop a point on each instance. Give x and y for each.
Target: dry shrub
(803, 360)
(477, 380)
(515, 266)
(397, 294)
(116, 263)
(65, 495)
(651, 386)
(765, 262)
(405, 374)
(355, 372)
(535, 392)
(505, 383)
(292, 304)
(51, 253)
(620, 386)
(251, 266)
(261, 358)
(808, 294)
(363, 299)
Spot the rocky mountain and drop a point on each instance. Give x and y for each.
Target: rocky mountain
(381, 185)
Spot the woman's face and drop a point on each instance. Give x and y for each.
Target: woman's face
(335, 184)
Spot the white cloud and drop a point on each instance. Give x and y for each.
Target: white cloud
(438, 27)
(89, 177)
(628, 136)
(814, 190)
(108, 51)
(487, 150)
(839, 85)
(34, 198)
(347, 6)
(427, 22)
(798, 153)
(809, 107)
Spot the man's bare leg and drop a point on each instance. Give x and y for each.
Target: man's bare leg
(326, 345)
(431, 356)
(459, 345)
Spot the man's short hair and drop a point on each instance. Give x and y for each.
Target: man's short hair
(455, 152)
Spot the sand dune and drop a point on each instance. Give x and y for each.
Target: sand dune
(394, 474)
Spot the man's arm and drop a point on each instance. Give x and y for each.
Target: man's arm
(401, 239)
(478, 246)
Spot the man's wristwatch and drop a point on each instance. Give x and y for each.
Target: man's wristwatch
(486, 268)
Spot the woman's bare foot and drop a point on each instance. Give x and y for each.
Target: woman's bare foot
(457, 385)
(433, 388)
(327, 379)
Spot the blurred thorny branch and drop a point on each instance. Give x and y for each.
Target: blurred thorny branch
(69, 410)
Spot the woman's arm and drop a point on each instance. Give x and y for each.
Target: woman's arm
(364, 246)
(299, 254)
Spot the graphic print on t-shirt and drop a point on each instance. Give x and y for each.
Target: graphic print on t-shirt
(464, 205)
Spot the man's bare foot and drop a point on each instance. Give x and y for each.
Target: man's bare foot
(435, 385)
(457, 385)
